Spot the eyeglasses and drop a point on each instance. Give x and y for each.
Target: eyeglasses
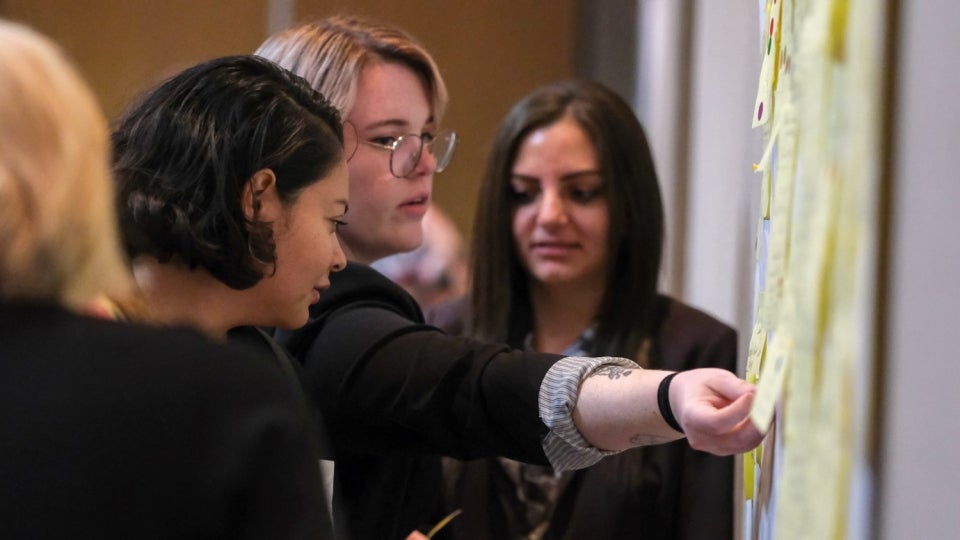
(405, 151)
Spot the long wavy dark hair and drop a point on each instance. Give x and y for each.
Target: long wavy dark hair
(500, 299)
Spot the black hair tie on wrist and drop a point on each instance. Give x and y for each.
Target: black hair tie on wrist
(663, 401)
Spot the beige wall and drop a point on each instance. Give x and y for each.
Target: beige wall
(123, 46)
(491, 53)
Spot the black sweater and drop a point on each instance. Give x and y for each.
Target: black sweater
(396, 394)
(112, 430)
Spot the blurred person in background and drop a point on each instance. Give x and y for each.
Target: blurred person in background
(437, 270)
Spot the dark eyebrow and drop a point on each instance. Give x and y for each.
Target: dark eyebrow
(578, 174)
(565, 178)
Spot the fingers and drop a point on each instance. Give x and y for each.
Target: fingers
(729, 385)
(716, 414)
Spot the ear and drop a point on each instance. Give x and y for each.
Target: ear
(261, 202)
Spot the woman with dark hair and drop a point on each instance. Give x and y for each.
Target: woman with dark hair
(111, 430)
(232, 184)
(618, 179)
(571, 183)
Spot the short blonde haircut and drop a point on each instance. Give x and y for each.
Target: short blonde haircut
(58, 234)
(331, 53)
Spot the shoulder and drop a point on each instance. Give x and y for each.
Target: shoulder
(450, 316)
(359, 283)
(357, 287)
(175, 366)
(689, 337)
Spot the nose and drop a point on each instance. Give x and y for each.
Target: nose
(427, 164)
(339, 257)
(552, 210)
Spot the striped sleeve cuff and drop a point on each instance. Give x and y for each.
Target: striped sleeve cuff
(564, 446)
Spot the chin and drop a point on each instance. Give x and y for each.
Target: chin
(554, 275)
(409, 242)
(294, 322)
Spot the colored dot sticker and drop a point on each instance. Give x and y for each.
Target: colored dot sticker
(760, 111)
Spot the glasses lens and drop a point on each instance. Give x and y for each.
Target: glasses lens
(442, 148)
(405, 156)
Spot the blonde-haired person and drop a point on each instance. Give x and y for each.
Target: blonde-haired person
(395, 392)
(113, 430)
(386, 86)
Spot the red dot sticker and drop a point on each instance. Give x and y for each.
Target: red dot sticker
(771, 26)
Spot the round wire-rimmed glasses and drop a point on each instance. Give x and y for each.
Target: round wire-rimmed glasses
(405, 151)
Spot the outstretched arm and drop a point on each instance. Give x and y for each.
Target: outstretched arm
(617, 409)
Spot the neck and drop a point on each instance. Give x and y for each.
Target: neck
(354, 255)
(561, 313)
(178, 296)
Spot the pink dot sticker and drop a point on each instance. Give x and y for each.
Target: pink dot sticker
(760, 111)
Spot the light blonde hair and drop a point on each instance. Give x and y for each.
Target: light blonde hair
(58, 234)
(331, 53)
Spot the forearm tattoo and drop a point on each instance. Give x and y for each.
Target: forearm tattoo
(612, 372)
(648, 440)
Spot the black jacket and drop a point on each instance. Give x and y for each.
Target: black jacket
(396, 394)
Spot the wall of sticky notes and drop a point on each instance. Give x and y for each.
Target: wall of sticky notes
(819, 103)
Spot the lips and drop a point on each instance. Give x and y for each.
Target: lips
(553, 248)
(415, 208)
(550, 244)
(319, 292)
(417, 201)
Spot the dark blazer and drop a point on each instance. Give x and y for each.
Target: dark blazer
(114, 430)
(666, 491)
(396, 394)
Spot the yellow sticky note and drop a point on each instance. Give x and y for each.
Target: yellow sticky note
(770, 385)
(838, 28)
(758, 342)
(763, 106)
(749, 465)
